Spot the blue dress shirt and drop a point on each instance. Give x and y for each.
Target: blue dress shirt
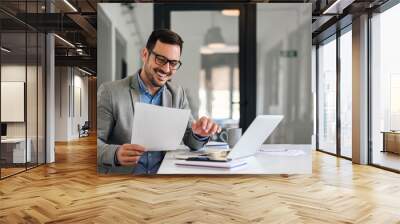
(149, 162)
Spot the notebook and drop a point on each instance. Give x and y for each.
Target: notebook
(227, 165)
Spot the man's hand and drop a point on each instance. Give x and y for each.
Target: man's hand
(129, 154)
(205, 127)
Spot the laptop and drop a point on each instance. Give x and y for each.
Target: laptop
(248, 145)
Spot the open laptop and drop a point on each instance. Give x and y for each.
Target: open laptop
(258, 131)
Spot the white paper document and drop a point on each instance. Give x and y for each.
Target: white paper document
(158, 128)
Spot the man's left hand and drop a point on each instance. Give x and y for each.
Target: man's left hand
(205, 127)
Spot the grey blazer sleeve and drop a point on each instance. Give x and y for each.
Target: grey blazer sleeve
(188, 139)
(105, 124)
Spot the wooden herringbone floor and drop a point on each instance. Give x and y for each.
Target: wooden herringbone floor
(70, 191)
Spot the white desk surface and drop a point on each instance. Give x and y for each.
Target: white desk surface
(275, 162)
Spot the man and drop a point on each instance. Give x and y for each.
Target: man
(115, 109)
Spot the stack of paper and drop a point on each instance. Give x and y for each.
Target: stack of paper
(224, 165)
(220, 145)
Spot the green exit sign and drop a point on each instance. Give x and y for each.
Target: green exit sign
(289, 54)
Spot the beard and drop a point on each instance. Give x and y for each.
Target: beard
(154, 77)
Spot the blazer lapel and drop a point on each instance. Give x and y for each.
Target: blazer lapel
(135, 95)
(166, 97)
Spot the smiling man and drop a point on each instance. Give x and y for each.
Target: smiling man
(115, 110)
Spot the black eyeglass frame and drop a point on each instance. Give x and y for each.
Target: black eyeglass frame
(162, 60)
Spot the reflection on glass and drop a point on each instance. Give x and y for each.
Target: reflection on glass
(394, 102)
(385, 85)
(210, 72)
(13, 87)
(22, 90)
(284, 70)
(327, 96)
(346, 94)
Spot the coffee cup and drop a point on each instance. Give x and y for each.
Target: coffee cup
(231, 136)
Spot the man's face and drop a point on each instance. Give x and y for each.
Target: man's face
(154, 71)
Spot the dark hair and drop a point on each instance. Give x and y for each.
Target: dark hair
(166, 36)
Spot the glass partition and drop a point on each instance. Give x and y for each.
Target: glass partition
(346, 93)
(385, 89)
(22, 89)
(327, 96)
(284, 70)
(210, 70)
(14, 154)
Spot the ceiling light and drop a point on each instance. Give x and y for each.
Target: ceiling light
(230, 12)
(338, 6)
(216, 45)
(5, 50)
(213, 38)
(84, 71)
(70, 5)
(331, 7)
(65, 41)
(228, 49)
(206, 50)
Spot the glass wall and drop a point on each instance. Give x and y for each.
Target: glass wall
(284, 84)
(210, 58)
(385, 88)
(346, 92)
(13, 109)
(22, 91)
(327, 95)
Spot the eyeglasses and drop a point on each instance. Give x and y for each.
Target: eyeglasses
(161, 60)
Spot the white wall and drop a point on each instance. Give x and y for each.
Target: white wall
(134, 26)
(105, 62)
(15, 72)
(61, 103)
(80, 83)
(68, 81)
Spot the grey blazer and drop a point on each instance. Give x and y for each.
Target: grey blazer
(115, 111)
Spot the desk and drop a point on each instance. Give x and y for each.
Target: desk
(261, 163)
(13, 150)
(391, 141)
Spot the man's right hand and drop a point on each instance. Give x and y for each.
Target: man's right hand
(129, 154)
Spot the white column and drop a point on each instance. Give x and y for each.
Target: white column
(50, 99)
(50, 92)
